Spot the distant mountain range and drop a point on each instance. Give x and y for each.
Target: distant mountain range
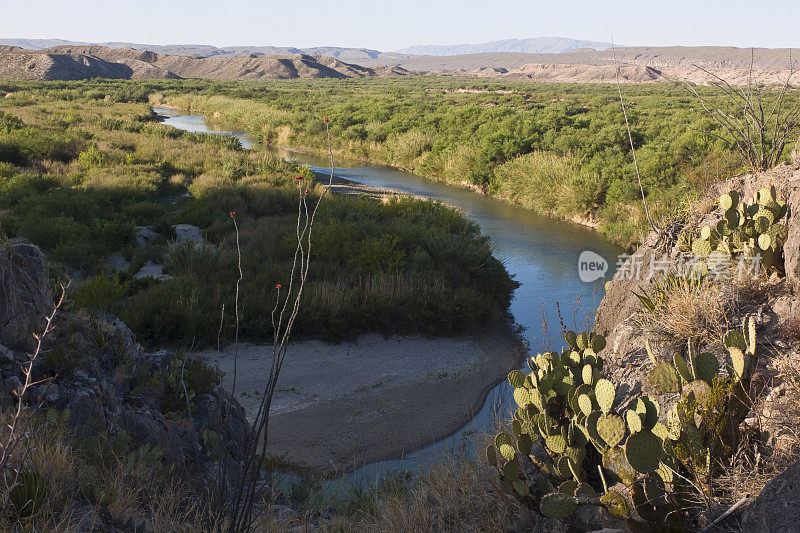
(537, 45)
(204, 50)
(92, 61)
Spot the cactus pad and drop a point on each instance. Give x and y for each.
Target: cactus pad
(568, 487)
(762, 223)
(582, 340)
(522, 488)
(604, 393)
(682, 368)
(734, 338)
(516, 379)
(665, 473)
(585, 404)
(587, 374)
(522, 396)
(643, 451)
(611, 429)
(564, 468)
(701, 247)
(524, 444)
(597, 342)
(614, 460)
(634, 420)
(700, 389)
(750, 331)
(648, 408)
(557, 505)
(615, 503)
(511, 470)
(726, 201)
(508, 452)
(576, 453)
(571, 338)
(491, 454)
(655, 492)
(739, 361)
(503, 438)
(663, 378)
(556, 443)
(706, 367)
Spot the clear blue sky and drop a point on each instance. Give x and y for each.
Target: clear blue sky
(391, 25)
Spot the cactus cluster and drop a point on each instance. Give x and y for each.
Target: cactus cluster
(747, 229)
(567, 423)
(564, 406)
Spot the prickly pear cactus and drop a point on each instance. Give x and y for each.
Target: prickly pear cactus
(749, 229)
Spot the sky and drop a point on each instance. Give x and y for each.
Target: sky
(387, 26)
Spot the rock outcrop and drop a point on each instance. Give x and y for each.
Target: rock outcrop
(25, 297)
(774, 302)
(777, 508)
(615, 316)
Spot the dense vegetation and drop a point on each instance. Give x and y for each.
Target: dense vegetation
(561, 150)
(79, 172)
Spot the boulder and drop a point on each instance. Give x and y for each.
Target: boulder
(25, 296)
(776, 509)
(186, 233)
(145, 235)
(151, 270)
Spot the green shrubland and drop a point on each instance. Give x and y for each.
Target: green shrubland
(404, 266)
(509, 139)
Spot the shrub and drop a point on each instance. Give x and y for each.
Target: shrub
(92, 157)
(100, 294)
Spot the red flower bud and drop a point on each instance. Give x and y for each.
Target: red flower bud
(278, 286)
(232, 214)
(325, 120)
(298, 178)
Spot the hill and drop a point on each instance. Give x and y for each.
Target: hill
(84, 62)
(203, 50)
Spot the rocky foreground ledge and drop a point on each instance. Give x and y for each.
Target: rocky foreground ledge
(108, 387)
(775, 303)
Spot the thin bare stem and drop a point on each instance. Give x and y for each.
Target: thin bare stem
(236, 305)
(19, 424)
(284, 315)
(630, 140)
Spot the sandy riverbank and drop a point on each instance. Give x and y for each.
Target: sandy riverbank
(343, 405)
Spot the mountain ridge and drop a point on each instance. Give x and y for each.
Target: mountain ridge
(533, 45)
(84, 62)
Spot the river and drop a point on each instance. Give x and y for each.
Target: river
(541, 253)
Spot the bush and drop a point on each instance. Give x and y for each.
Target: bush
(100, 294)
(91, 157)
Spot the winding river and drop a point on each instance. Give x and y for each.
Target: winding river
(540, 253)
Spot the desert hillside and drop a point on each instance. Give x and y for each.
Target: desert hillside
(84, 62)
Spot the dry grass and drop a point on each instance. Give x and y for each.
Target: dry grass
(127, 488)
(686, 311)
(790, 329)
(454, 495)
(773, 444)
